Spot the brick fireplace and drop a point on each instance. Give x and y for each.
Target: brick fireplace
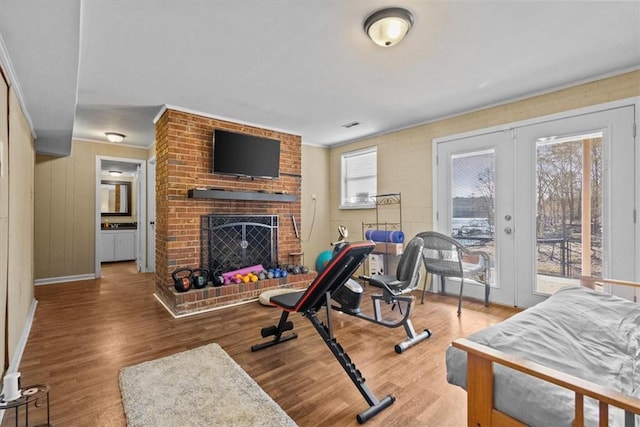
(184, 194)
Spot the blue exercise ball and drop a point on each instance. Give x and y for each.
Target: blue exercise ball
(322, 260)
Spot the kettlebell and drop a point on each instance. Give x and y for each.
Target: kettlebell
(304, 269)
(200, 277)
(217, 278)
(182, 282)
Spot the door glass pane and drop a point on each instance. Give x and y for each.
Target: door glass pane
(569, 209)
(473, 201)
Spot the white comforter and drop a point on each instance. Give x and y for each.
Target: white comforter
(578, 331)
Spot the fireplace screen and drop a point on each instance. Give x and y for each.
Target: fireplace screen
(231, 242)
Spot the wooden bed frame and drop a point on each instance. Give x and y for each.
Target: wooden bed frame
(480, 360)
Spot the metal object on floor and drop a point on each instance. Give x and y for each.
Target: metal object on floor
(30, 394)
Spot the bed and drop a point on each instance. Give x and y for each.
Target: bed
(573, 359)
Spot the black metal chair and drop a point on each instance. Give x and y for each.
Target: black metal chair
(446, 257)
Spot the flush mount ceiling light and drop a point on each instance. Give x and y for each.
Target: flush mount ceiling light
(114, 137)
(115, 173)
(387, 27)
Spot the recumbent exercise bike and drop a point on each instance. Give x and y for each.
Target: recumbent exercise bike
(394, 291)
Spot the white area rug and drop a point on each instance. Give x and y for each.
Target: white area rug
(199, 387)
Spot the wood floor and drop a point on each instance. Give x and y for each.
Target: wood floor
(85, 332)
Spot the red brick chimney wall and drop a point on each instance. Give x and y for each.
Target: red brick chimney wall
(184, 162)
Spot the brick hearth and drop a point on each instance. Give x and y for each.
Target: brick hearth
(198, 300)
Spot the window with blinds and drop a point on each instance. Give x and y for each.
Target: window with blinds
(359, 179)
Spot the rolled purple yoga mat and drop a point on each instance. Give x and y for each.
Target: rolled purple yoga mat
(384, 236)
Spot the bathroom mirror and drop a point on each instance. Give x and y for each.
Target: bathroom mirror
(115, 198)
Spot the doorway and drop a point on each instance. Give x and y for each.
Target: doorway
(121, 194)
(549, 201)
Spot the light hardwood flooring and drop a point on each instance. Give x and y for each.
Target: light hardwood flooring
(85, 332)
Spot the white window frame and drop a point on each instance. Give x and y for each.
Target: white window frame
(344, 179)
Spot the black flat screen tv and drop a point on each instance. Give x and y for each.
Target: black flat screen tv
(245, 155)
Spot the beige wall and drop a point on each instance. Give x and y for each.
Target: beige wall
(151, 151)
(316, 235)
(4, 213)
(20, 241)
(404, 157)
(65, 212)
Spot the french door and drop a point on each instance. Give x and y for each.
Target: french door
(575, 202)
(549, 202)
(475, 204)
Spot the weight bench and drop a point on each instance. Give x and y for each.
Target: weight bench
(334, 275)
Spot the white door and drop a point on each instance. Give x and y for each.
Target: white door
(560, 205)
(125, 245)
(575, 202)
(475, 205)
(140, 208)
(151, 215)
(107, 246)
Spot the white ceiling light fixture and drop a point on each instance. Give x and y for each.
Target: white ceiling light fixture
(115, 137)
(387, 27)
(115, 173)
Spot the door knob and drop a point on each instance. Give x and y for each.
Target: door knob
(508, 230)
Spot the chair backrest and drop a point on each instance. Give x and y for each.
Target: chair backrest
(409, 264)
(441, 254)
(335, 274)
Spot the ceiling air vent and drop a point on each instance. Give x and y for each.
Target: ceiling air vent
(350, 125)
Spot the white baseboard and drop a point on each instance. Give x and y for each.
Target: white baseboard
(179, 316)
(52, 280)
(22, 343)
